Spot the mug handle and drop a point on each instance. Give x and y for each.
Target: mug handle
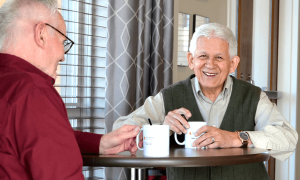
(177, 140)
(137, 140)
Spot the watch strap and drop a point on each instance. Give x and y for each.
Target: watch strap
(244, 142)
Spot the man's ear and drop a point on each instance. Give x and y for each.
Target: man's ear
(234, 63)
(190, 60)
(40, 35)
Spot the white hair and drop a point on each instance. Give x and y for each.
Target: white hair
(214, 30)
(15, 12)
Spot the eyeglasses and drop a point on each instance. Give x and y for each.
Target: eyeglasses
(68, 43)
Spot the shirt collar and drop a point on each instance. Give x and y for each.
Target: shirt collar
(227, 86)
(18, 63)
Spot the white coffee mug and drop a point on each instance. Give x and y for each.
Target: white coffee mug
(190, 135)
(156, 140)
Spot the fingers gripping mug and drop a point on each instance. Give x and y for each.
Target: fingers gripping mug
(190, 135)
(156, 140)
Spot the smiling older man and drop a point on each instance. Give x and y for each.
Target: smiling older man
(238, 114)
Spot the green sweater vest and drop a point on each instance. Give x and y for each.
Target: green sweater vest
(239, 115)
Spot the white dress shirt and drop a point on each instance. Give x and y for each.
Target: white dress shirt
(272, 130)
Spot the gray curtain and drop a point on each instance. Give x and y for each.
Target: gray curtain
(139, 57)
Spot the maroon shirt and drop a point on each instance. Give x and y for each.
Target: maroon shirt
(36, 138)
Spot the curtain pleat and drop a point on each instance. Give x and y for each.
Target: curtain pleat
(139, 58)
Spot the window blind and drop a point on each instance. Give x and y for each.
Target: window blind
(183, 38)
(81, 77)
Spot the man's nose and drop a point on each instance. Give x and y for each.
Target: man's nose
(209, 63)
(63, 59)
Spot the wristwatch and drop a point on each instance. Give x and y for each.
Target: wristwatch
(244, 137)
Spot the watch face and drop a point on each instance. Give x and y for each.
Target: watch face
(244, 136)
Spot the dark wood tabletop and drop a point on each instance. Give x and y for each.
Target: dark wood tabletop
(181, 157)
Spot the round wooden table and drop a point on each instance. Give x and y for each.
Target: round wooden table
(181, 157)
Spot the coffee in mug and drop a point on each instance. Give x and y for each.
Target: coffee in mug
(156, 140)
(190, 135)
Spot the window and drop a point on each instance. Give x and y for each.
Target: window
(81, 77)
(184, 34)
(198, 21)
(183, 38)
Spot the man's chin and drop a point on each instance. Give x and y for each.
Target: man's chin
(208, 87)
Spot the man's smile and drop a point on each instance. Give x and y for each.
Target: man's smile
(209, 74)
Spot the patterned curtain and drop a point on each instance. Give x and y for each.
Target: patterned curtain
(139, 57)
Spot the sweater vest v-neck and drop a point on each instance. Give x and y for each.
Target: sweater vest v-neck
(240, 115)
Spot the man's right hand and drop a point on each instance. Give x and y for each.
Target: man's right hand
(119, 140)
(176, 122)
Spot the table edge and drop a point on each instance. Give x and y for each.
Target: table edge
(178, 162)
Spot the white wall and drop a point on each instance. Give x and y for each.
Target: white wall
(298, 110)
(261, 45)
(288, 56)
(232, 16)
(215, 10)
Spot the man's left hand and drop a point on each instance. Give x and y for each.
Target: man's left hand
(119, 140)
(221, 138)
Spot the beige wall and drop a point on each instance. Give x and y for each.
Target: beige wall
(215, 10)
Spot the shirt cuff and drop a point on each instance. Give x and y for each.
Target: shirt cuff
(258, 140)
(88, 143)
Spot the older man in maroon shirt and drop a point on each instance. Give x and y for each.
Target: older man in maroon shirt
(36, 139)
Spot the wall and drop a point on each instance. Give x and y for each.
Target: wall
(261, 43)
(297, 173)
(215, 10)
(288, 58)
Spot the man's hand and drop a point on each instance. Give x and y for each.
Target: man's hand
(222, 138)
(176, 121)
(119, 140)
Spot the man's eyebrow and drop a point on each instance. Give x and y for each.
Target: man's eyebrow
(200, 52)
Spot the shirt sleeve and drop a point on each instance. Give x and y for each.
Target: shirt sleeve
(153, 108)
(272, 130)
(46, 145)
(88, 142)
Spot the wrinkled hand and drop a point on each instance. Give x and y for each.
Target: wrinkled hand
(223, 139)
(119, 140)
(176, 121)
